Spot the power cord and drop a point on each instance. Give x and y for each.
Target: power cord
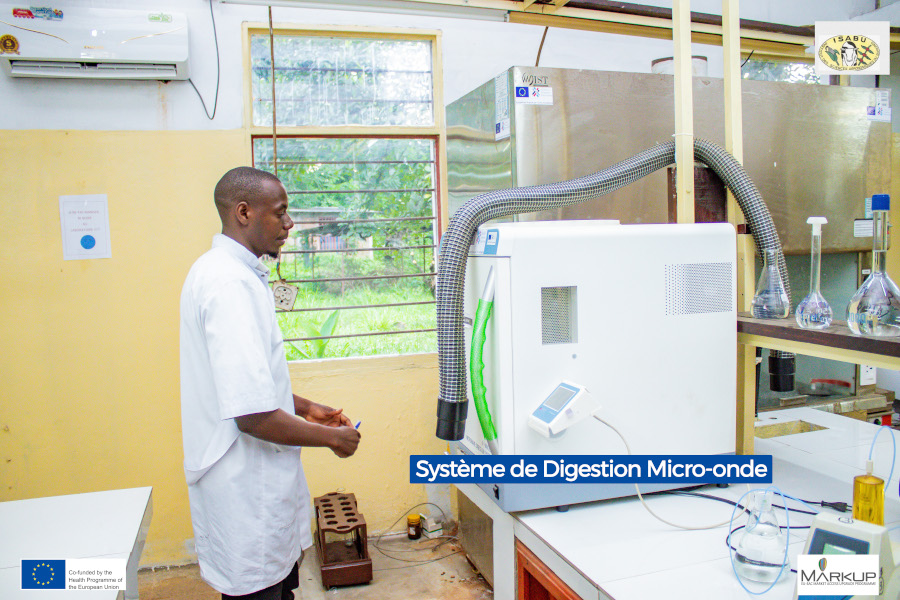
(218, 70)
(416, 562)
(646, 506)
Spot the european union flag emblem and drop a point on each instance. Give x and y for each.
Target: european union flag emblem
(43, 574)
(521, 91)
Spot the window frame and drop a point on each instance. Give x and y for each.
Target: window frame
(436, 133)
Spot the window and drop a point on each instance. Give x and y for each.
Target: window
(357, 150)
(780, 70)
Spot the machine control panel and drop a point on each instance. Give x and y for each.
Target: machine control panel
(566, 405)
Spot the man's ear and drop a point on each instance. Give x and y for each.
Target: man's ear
(242, 212)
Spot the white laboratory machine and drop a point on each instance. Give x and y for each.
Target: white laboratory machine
(832, 534)
(635, 323)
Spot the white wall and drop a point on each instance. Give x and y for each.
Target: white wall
(474, 51)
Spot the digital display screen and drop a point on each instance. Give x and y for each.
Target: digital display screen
(832, 549)
(558, 398)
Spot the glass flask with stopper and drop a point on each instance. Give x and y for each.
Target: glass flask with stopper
(760, 550)
(814, 312)
(771, 300)
(875, 308)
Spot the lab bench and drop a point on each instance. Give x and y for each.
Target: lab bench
(615, 549)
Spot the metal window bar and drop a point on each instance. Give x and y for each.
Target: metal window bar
(360, 191)
(308, 99)
(347, 162)
(266, 69)
(365, 278)
(332, 308)
(378, 249)
(384, 220)
(353, 335)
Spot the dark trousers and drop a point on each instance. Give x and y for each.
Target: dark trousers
(283, 590)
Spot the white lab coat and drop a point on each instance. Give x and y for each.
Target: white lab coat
(250, 504)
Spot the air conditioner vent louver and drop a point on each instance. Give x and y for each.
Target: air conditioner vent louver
(37, 68)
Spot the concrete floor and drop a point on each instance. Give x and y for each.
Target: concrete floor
(450, 578)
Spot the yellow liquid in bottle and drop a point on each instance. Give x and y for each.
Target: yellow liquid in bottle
(868, 499)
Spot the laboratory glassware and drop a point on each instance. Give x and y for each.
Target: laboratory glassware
(814, 312)
(771, 300)
(868, 497)
(875, 308)
(759, 553)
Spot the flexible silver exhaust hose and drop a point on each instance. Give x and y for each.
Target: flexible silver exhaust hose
(452, 401)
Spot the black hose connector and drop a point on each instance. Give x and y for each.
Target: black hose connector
(781, 373)
(451, 423)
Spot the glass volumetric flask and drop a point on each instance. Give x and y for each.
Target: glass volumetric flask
(759, 553)
(875, 308)
(771, 300)
(814, 312)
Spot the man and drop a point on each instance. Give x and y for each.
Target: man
(242, 425)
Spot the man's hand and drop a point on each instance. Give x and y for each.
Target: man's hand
(279, 427)
(325, 415)
(345, 441)
(319, 413)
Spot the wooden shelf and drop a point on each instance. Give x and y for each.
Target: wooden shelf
(835, 343)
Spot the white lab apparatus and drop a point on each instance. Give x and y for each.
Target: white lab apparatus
(640, 316)
(833, 534)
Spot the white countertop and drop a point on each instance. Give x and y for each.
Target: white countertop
(624, 552)
(93, 525)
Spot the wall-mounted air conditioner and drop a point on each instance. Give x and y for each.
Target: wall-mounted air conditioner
(93, 43)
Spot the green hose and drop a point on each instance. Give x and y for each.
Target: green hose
(476, 369)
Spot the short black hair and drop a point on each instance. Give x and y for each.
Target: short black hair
(241, 184)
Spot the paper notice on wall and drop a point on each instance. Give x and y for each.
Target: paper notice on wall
(85, 226)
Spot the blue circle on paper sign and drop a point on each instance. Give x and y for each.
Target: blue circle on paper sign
(88, 242)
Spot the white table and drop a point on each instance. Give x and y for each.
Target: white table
(109, 524)
(616, 549)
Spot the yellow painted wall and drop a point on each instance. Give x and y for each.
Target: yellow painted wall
(396, 400)
(89, 376)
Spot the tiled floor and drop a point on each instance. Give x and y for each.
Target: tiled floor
(450, 578)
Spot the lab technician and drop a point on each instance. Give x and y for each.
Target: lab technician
(242, 425)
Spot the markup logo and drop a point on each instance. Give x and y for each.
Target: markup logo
(43, 574)
(838, 575)
(848, 47)
(849, 52)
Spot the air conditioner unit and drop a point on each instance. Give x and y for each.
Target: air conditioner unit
(93, 43)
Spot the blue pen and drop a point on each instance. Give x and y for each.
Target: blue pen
(358, 423)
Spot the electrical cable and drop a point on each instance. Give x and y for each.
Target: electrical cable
(646, 506)
(274, 97)
(384, 551)
(541, 47)
(218, 69)
(748, 58)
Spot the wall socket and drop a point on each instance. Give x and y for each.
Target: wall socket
(866, 375)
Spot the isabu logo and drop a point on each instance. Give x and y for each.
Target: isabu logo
(849, 52)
